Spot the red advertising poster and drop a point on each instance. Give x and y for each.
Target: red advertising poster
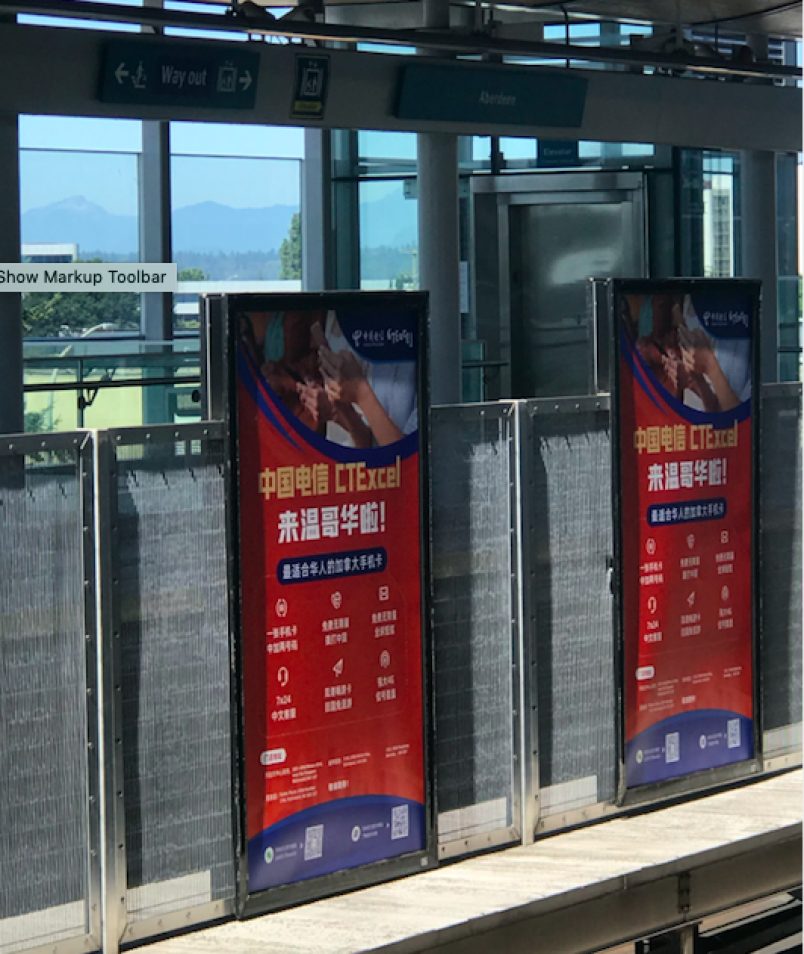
(686, 471)
(330, 563)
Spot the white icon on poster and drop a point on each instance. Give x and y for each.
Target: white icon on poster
(356, 833)
(336, 599)
(385, 659)
(724, 536)
(725, 593)
(691, 540)
(650, 546)
(273, 757)
(652, 604)
(281, 608)
(702, 741)
(283, 675)
(338, 668)
(384, 594)
(691, 598)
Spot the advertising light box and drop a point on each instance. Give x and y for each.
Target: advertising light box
(328, 396)
(684, 460)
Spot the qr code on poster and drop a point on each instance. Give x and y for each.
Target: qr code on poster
(313, 842)
(672, 749)
(400, 826)
(733, 733)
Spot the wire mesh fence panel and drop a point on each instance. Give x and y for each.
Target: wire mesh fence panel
(472, 612)
(568, 554)
(170, 555)
(44, 794)
(781, 568)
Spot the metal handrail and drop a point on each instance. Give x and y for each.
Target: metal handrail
(86, 385)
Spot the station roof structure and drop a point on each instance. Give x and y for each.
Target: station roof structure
(723, 18)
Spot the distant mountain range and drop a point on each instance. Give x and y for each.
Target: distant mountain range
(207, 227)
(388, 222)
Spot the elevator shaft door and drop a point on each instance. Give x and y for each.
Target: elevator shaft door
(555, 247)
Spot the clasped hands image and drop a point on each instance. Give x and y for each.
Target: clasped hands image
(681, 358)
(319, 377)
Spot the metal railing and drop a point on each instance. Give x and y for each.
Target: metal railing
(152, 384)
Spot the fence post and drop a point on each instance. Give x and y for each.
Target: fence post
(525, 623)
(106, 584)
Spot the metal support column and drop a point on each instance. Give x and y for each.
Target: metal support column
(439, 254)
(155, 233)
(316, 227)
(12, 403)
(759, 253)
(156, 317)
(439, 246)
(346, 209)
(759, 249)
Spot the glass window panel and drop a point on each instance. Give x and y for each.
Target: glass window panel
(585, 31)
(79, 206)
(388, 236)
(636, 29)
(230, 139)
(481, 148)
(76, 24)
(76, 132)
(386, 145)
(228, 35)
(236, 227)
(718, 211)
(387, 48)
(638, 149)
(517, 147)
(613, 151)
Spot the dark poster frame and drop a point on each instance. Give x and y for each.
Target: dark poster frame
(249, 904)
(711, 778)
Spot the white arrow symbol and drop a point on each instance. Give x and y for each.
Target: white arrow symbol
(245, 80)
(120, 74)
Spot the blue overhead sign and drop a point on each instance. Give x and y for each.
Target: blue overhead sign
(179, 74)
(487, 94)
(553, 152)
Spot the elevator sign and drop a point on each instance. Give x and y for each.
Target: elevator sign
(150, 74)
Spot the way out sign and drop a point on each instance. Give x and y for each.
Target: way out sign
(171, 74)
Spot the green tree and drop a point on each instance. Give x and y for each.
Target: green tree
(290, 252)
(72, 313)
(193, 274)
(46, 314)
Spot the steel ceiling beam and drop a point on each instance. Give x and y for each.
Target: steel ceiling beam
(467, 44)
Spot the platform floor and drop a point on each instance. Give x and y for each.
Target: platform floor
(569, 893)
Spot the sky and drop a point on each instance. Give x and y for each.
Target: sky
(240, 165)
(244, 166)
(229, 173)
